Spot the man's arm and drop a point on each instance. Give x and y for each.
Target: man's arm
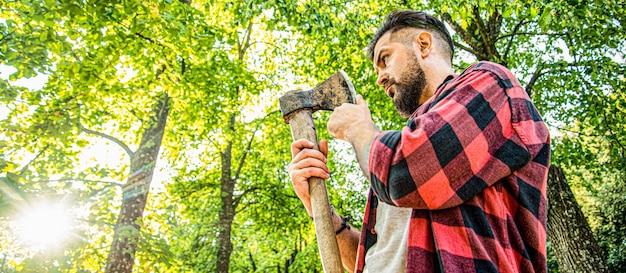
(461, 142)
(348, 241)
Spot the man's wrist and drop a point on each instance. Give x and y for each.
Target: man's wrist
(342, 222)
(360, 135)
(344, 225)
(362, 146)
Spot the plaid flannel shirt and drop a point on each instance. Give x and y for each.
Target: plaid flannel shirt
(472, 162)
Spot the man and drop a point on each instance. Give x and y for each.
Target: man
(462, 187)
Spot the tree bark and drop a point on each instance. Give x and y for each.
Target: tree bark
(227, 214)
(574, 244)
(135, 193)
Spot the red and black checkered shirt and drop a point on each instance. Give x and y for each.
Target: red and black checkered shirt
(472, 162)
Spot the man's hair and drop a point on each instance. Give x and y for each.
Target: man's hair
(402, 19)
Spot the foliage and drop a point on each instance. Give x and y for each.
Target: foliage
(224, 64)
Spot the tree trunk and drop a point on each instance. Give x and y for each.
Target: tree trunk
(135, 193)
(227, 214)
(574, 244)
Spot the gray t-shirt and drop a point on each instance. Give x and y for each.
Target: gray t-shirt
(388, 254)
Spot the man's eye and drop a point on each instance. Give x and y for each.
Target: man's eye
(384, 59)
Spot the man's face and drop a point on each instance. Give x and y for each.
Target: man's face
(400, 73)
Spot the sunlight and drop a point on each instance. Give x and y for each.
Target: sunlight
(43, 226)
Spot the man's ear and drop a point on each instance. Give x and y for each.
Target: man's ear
(424, 43)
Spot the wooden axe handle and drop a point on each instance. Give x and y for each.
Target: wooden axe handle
(303, 127)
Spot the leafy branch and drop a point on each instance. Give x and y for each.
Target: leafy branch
(21, 171)
(111, 138)
(464, 35)
(7, 36)
(512, 40)
(534, 78)
(488, 32)
(578, 133)
(110, 183)
(606, 120)
(529, 33)
(243, 157)
(245, 192)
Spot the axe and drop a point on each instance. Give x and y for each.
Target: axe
(297, 107)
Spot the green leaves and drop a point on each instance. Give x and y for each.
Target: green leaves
(224, 64)
(546, 18)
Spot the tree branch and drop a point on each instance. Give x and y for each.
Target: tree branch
(461, 46)
(530, 33)
(534, 78)
(146, 38)
(458, 29)
(510, 44)
(109, 183)
(7, 37)
(243, 157)
(238, 198)
(21, 171)
(160, 71)
(483, 32)
(246, 43)
(113, 139)
(93, 194)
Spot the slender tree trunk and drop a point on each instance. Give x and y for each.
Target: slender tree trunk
(574, 244)
(135, 193)
(227, 214)
(228, 181)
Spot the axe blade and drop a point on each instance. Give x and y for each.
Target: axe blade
(328, 95)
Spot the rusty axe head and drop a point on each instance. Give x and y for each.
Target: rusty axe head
(331, 93)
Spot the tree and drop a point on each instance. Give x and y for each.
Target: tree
(565, 223)
(226, 204)
(83, 58)
(480, 31)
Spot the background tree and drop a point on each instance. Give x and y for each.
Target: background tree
(221, 200)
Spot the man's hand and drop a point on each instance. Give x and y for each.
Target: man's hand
(353, 123)
(307, 162)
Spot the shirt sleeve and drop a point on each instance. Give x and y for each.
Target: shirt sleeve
(464, 142)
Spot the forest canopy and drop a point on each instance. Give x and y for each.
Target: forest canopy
(146, 135)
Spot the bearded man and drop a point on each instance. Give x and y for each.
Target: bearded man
(461, 187)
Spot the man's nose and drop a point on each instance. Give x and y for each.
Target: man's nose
(382, 78)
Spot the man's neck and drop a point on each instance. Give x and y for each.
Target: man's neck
(435, 76)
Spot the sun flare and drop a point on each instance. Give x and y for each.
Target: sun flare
(43, 226)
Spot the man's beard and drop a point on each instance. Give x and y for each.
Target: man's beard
(408, 93)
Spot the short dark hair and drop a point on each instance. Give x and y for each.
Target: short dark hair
(401, 19)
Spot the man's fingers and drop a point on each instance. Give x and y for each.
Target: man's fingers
(303, 175)
(324, 147)
(309, 154)
(300, 144)
(303, 148)
(308, 162)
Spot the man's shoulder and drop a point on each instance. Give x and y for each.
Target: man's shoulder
(500, 72)
(496, 68)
